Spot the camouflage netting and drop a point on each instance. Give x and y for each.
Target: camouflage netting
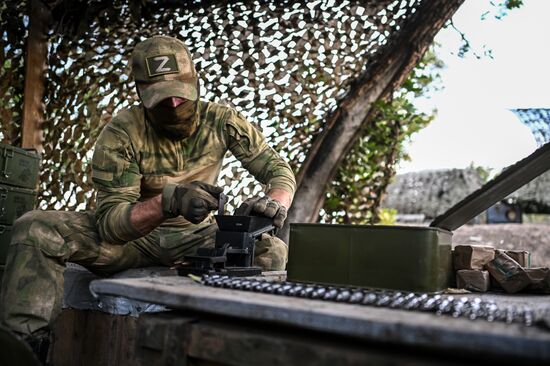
(538, 120)
(283, 64)
(12, 63)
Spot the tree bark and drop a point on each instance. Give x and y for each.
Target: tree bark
(35, 68)
(383, 74)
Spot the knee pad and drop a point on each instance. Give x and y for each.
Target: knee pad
(271, 253)
(38, 229)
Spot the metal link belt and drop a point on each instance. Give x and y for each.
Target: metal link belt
(457, 307)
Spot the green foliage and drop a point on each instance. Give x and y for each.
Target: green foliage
(387, 216)
(483, 172)
(355, 194)
(501, 9)
(498, 10)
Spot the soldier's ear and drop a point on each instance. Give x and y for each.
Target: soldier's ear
(139, 95)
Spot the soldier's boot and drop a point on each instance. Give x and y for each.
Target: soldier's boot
(40, 345)
(17, 349)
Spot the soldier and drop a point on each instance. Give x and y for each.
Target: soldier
(154, 170)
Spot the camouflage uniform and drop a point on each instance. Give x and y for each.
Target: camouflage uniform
(131, 163)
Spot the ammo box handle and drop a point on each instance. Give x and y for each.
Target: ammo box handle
(8, 153)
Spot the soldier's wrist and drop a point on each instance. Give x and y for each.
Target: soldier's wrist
(166, 200)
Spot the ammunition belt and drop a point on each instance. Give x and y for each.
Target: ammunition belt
(440, 304)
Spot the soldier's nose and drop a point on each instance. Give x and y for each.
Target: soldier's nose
(173, 101)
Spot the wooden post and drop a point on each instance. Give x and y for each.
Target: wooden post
(35, 67)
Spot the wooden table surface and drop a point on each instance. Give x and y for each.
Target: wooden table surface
(362, 322)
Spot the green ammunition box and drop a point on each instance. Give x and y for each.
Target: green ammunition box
(1, 275)
(14, 202)
(18, 167)
(390, 257)
(399, 257)
(5, 238)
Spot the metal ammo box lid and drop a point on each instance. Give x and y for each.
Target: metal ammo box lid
(18, 167)
(405, 258)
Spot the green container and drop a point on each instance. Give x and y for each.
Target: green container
(390, 257)
(1, 275)
(399, 257)
(5, 239)
(14, 202)
(18, 167)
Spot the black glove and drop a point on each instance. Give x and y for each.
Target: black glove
(263, 206)
(194, 200)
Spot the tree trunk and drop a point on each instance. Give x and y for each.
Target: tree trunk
(389, 68)
(35, 68)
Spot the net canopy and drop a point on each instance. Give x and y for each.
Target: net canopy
(538, 120)
(283, 64)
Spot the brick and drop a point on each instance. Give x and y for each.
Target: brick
(473, 280)
(508, 273)
(523, 257)
(472, 256)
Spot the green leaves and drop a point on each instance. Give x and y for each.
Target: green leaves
(355, 195)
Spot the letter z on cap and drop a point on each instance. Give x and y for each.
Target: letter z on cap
(161, 65)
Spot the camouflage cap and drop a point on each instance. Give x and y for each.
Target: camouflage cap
(163, 68)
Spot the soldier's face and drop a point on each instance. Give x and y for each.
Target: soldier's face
(175, 117)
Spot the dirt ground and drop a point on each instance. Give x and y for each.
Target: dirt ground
(534, 238)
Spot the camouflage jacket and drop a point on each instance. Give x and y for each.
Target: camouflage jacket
(132, 162)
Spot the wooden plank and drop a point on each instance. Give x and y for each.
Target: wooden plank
(246, 344)
(35, 67)
(162, 339)
(173, 338)
(93, 338)
(413, 329)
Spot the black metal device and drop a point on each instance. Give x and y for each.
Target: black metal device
(233, 253)
(504, 212)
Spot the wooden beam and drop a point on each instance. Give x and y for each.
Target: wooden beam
(35, 67)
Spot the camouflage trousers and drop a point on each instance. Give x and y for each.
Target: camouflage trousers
(43, 241)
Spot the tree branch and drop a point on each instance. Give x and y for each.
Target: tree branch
(386, 72)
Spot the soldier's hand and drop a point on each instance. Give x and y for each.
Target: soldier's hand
(263, 206)
(194, 200)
